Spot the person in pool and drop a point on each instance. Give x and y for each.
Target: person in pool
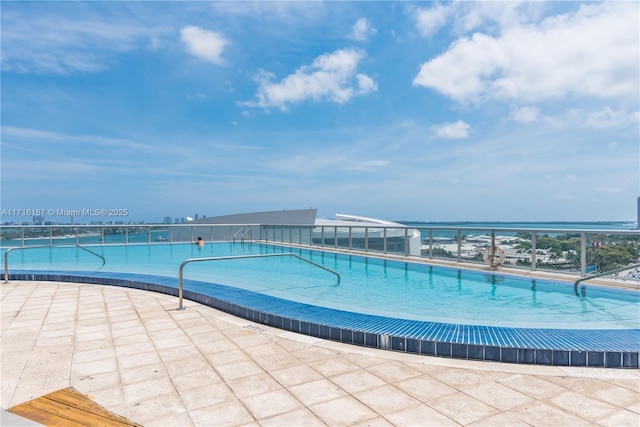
(200, 242)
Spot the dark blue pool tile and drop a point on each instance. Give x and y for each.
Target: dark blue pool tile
(398, 343)
(544, 357)
(324, 332)
(443, 349)
(526, 355)
(612, 359)
(475, 352)
(427, 348)
(561, 358)
(305, 328)
(264, 318)
(578, 358)
(413, 346)
(630, 360)
(358, 337)
(459, 350)
(510, 355)
(371, 340)
(346, 336)
(314, 329)
(595, 358)
(278, 322)
(492, 353)
(295, 325)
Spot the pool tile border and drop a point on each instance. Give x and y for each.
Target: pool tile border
(557, 347)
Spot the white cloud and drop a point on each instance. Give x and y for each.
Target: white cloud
(204, 44)
(430, 20)
(457, 130)
(494, 15)
(607, 118)
(369, 165)
(525, 115)
(52, 42)
(196, 96)
(331, 77)
(593, 52)
(362, 29)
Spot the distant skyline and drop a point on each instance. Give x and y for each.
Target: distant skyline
(425, 111)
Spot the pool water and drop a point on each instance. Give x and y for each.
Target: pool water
(368, 285)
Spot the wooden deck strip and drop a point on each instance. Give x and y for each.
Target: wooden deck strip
(68, 407)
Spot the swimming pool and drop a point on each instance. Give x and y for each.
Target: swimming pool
(379, 291)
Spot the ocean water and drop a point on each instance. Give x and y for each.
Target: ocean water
(596, 225)
(447, 229)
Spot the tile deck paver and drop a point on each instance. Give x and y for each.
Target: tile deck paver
(132, 352)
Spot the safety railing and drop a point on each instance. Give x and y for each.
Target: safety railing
(572, 251)
(190, 260)
(413, 241)
(242, 234)
(6, 255)
(118, 234)
(604, 273)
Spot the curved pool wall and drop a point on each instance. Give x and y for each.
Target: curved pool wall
(613, 348)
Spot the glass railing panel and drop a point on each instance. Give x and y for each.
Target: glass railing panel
(34, 236)
(113, 235)
(159, 234)
(305, 235)
(441, 244)
(553, 251)
(10, 236)
(606, 252)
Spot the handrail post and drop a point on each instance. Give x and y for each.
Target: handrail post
(180, 306)
(459, 245)
(406, 242)
(6, 265)
(534, 251)
(431, 243)
(366, 239)
(384, 240)
(583, 254)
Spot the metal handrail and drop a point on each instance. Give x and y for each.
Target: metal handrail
(6, 255)
(187, 261)
(604, 273)
(244, 233)
(248, 230)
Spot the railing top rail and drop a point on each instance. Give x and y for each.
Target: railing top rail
(187, 224)
(604, 273)
(6, 254)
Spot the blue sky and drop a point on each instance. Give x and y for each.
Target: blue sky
(433, 111)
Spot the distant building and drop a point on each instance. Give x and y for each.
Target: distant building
(337, 231)
(167, 220)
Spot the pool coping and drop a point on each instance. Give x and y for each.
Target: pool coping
(608, 348)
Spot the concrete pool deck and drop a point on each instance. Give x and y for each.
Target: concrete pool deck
(132, 352)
